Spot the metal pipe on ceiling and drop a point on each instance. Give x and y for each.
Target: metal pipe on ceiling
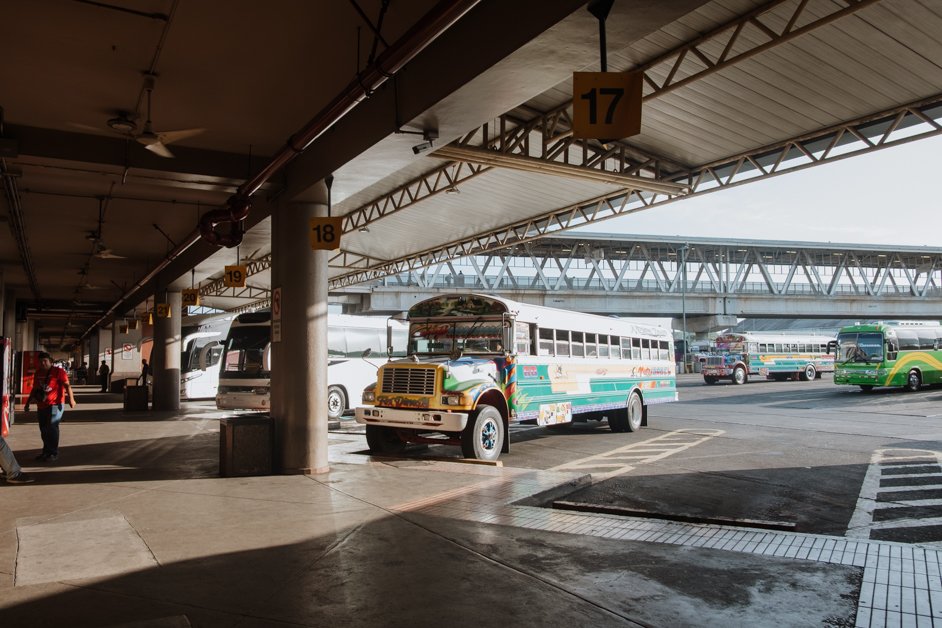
(386, 65)
(433, 24)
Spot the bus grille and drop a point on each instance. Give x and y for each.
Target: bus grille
(409, 381)
(715, 360)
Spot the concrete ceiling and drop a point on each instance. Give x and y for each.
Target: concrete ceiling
(96, 214)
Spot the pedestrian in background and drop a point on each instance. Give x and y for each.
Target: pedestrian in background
(50, 389)
(103, 373)
(145, 371)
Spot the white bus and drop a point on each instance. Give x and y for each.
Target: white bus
(245, 368)
(203, 336)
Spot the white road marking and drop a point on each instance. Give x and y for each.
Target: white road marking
(624, 459)
(861, 522)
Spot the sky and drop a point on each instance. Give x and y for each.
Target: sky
(890, 196)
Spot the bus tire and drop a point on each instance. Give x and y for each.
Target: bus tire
(629, 418)
(739, 375)
(809, 374)
(336, 403)
(384, 440)
(866, 388)
(483, 436)
(710, 379)
(913, 381)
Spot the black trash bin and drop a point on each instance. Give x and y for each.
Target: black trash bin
(135, 398)
(245, 445)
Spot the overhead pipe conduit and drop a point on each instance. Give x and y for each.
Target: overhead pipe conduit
(387, 64)
(424, 32)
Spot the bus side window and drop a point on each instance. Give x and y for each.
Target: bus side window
(522, 338)
(562, 342)
(626, 352)
(578, 344)
(636, 348)
(663, 351)
(613, 349)
(590, 347)
(546, 342)
(603, 347)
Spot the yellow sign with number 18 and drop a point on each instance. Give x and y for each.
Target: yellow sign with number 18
(325, 233)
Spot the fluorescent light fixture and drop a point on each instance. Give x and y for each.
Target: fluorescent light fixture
(487, 157)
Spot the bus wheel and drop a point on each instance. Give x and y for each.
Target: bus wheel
(384, 440)
(739, 375)
(809, 374)
(913, 381)
(709, 379)
(483, 436)
(866, 387)
(336, 403)
(629, 418)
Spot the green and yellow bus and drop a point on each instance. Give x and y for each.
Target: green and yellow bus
(478, 363)
(897, 354)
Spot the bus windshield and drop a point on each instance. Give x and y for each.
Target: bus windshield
(247, 352)
(480, 336)
(860, 347)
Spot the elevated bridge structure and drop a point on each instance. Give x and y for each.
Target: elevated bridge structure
(669, 276)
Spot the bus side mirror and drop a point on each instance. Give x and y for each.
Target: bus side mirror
(832, 344)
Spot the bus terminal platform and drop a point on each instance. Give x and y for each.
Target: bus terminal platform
(133, 526)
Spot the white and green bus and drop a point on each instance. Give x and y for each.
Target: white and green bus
(478, 363)
(897, 354)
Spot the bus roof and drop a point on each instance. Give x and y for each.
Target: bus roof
(883, 326)
(474, 305)
(771, 338)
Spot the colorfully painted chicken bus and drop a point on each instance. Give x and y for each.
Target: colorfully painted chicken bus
(478, 363)
(736, 357)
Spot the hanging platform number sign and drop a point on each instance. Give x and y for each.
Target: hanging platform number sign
(234, 277)
(606, 105)
(163, 310)
(190, 297)
(325, 233)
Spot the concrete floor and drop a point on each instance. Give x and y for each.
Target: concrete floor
(133, 527)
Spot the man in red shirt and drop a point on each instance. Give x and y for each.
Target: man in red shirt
(50, 387)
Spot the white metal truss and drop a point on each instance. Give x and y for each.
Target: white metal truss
(633, 264)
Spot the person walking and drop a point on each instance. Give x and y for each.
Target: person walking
(145, 371)
(103, 373)
(50, 388)
(11, 468)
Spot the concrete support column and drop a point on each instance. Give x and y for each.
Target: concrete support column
(166, 356)
(299, 359)
(9, 315)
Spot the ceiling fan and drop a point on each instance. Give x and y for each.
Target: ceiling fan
(102, 251)
(154, 141)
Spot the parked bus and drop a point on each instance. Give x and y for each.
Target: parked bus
(478, 363)
(736, 357)
(203, 337)
(245, 368)
(898, 354)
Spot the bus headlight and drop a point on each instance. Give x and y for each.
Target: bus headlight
(369, 396)
(453, 399)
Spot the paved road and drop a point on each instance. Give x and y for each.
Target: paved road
(807, 455)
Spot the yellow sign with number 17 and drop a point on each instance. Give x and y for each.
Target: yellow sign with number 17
(325, 233)
(606, 105)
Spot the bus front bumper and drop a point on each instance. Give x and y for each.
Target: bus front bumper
(716, 371)
(437, 420)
